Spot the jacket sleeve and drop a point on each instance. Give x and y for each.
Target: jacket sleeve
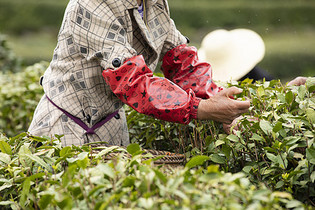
(182, 66)
(134, 83)
(98, 33)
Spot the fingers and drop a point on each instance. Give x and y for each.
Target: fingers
(242, 105)
(298, 81)
(231, 91)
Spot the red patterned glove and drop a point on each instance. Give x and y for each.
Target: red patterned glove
(135, 85)
(181, 65)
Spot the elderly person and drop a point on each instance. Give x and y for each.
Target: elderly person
(104, 59)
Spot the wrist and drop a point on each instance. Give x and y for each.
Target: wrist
(194, 107)
(201, 112)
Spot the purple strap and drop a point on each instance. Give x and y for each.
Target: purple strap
(81, 123)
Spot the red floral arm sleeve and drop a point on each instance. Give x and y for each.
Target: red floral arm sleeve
(181, 65)
(135, 85)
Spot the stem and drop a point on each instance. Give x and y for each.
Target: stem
(262, 156)
(195, 136)
(257, 159)
(83, 192)
(181, 140)
(309, 174)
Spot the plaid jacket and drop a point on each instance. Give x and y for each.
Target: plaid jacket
(93, 34)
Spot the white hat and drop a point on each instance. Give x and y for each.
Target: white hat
(232, 54)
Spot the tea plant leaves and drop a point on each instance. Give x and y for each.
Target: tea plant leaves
(37, 160)
(310, 113)
(196, 161)
(310, 155)
(274, 145)
(5, 147)
(25, 191)
(265, 126)
(133, 148)
(313, 176)
(5, 158)
(88, 183)
(217, 158)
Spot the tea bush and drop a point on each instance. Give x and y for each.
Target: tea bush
(8, 60)
(274, 143)
(38, 173)
(19, 94)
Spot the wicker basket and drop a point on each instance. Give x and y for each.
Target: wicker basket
(159, 157)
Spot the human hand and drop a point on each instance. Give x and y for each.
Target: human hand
(298, 81)
(221, 107)
(235, 125)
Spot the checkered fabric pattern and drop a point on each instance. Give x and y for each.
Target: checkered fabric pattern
(92, 35)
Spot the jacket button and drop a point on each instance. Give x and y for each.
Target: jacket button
(188, 41)
(117, 116)
(41, 80)
(116, 62)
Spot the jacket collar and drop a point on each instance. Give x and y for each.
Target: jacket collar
(132, 4)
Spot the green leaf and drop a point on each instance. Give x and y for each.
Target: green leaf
(197, 160)
(5, 203)
(15, 138)
(5, 186)
(38, 160)
(247, 169)
(257, 137)
(5, 158)
(310, 113)
(301, 92)
(23, 152)
(213, 169)
(83, 160)
(265, 126)
(272, 157)
(106, 169)
(277, 127)
(107, 150)
(279, 184)
(292, 204)
(129, 181)
(133, 148)
(38, 139)
(219, 142)
(289, 97)
(65, 151)
(5, 147)
(291, 140)
(45, 200)
(160, 175)
(217, 158)
(269, 149)
(25, 191)
(313, 177)
(282, 161)
(233, 138)
(260, 91)
(226, 150)
(310, 155)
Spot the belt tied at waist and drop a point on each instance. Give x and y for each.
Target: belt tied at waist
(81, 123)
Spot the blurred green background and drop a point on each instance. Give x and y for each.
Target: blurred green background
(286, 26)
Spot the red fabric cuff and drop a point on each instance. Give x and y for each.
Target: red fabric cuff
(194, 107)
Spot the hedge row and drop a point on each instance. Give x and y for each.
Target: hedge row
(274, 143)
(22, 16)
(18, 16)
(37, 173)
(19, 94)
(276, 147)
